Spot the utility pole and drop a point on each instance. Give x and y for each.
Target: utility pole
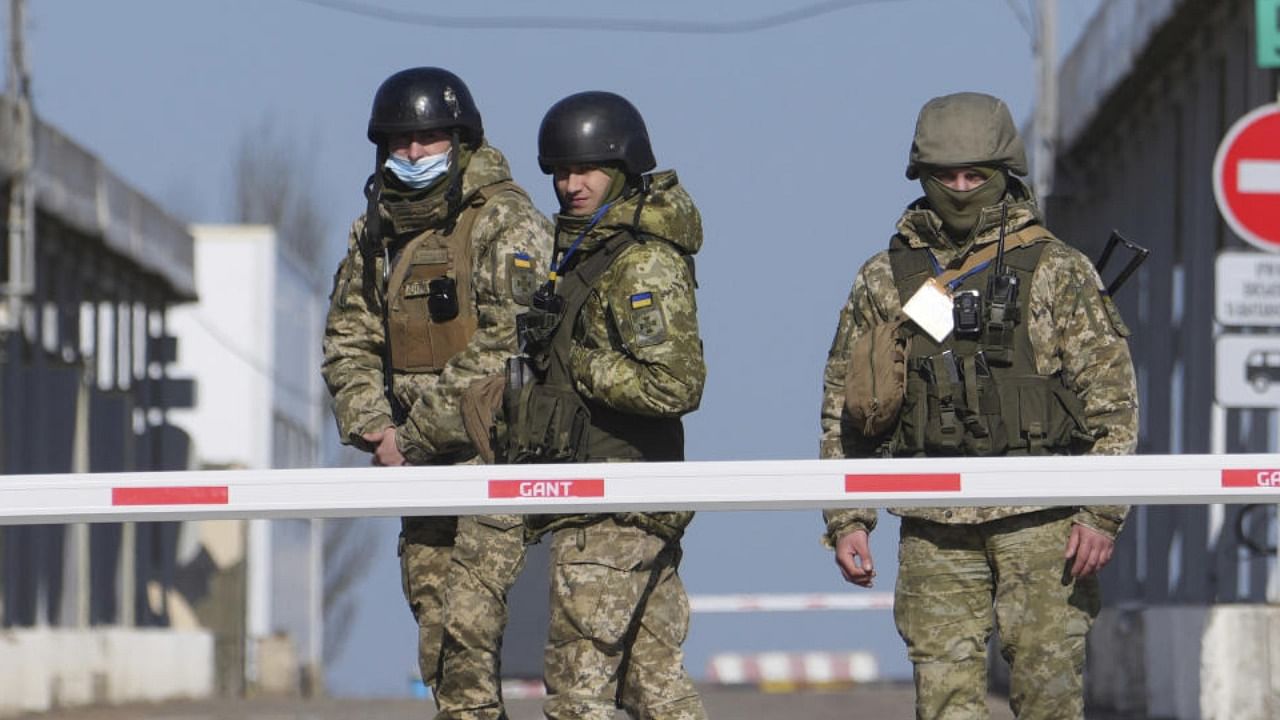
(315, 610)
(20, 257)
(21, 141)
(1046, 121)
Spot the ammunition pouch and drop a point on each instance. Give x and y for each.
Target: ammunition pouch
(545, 424)
(955, 406)
(1050, 418)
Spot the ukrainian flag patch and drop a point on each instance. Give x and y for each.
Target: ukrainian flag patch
(523, 278)
(648, 326)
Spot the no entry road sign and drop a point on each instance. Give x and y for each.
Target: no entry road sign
(1246, 178)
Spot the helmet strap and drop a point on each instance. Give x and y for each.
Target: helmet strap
(371, 241)
(454, 194)
(643, 188)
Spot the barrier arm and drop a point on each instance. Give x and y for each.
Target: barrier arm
(614, 487)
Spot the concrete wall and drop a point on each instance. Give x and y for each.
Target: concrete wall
(1217, 662)
(44, 668)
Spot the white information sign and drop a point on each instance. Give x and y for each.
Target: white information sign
(1247, 371)
(1247, 289)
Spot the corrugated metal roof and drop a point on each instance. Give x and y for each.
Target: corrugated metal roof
(75, 186)
(1106, 53)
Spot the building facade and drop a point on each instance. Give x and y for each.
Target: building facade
(1145, 98)
(90, 270)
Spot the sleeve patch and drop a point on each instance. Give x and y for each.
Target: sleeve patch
(523, 277)
(647, 319)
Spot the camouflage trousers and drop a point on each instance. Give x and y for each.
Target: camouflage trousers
(426, 544)
(619, 615)
(487, 558)
(950, 577)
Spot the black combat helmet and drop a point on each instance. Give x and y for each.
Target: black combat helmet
(594, 127)
(424, 98)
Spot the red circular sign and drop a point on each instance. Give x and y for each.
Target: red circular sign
(1246, 178)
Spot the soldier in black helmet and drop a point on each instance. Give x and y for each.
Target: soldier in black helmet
(614, 361)
(424, 303)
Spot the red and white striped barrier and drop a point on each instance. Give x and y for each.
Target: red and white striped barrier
(792, 669)
(613, 487)
(790, 602)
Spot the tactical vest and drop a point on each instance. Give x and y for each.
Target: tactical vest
(609, 434)
(419, 342)
(979, 393)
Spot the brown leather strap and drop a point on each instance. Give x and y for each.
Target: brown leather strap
(1026, 236)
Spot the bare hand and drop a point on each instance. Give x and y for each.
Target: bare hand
(385, 451)
(853, 556)
(1091, 550)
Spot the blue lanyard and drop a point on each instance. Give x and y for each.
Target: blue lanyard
(573, 247)
(937, 270)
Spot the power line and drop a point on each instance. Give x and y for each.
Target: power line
(679, 27)
(1024, 17)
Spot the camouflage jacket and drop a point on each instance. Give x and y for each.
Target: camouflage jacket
(628, 356)
(507, 226)
(1073, 330)
(618, 362)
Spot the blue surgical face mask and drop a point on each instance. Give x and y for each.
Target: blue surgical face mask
(422, 173)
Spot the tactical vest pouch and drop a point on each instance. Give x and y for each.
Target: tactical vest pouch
(420, 343)
(536, 327)
(944, 431)
(1050, 418)
(953, 407)
(985, 431)
(1002, 316)
(876, 379)
(432, 314)
(545, 424)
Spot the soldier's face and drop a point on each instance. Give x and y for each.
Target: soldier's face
(581, 188)
(961, 179)
(418, 144)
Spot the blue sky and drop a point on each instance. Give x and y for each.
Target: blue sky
(793, 141)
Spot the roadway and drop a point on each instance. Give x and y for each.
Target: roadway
(877, 701)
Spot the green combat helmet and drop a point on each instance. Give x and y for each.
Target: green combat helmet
(963, 130)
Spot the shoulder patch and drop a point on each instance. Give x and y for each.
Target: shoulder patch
(523, 276)
(647, 320)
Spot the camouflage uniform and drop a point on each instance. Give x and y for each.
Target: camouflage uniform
(509, 239)
(619, 613)
(487, 558)
(954, 562)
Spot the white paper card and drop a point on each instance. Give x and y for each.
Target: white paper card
(931, 309)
